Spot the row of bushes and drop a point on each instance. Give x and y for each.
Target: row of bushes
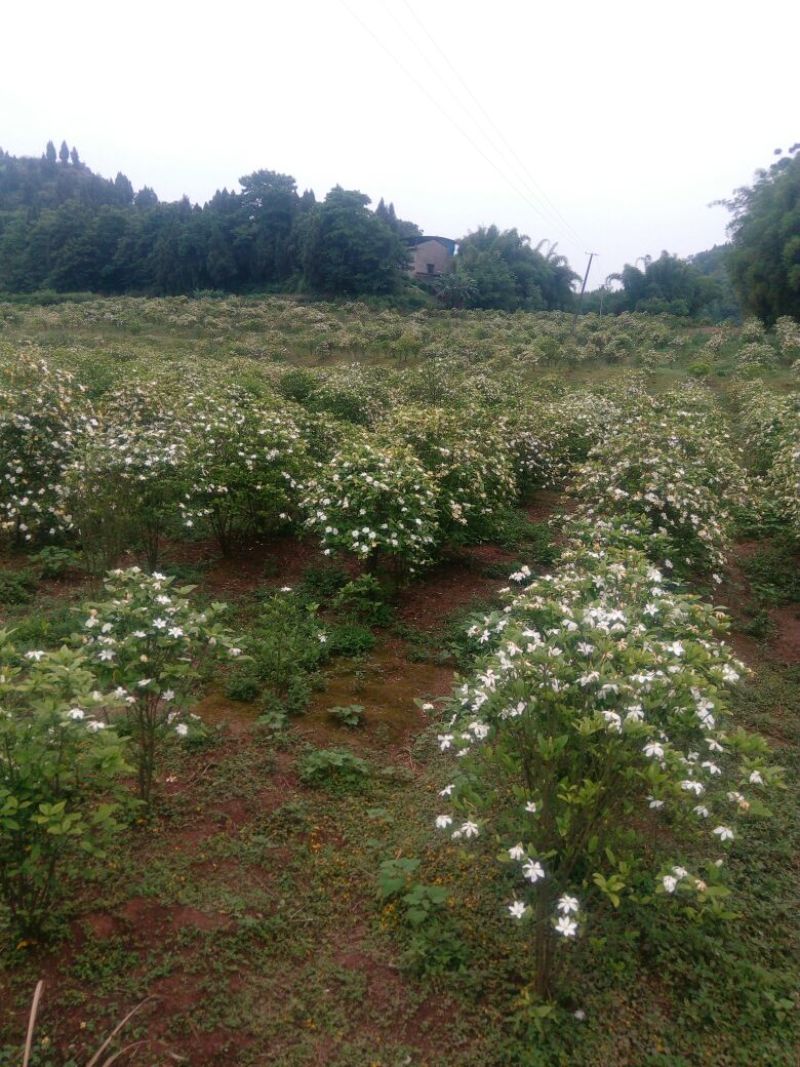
(594, 745)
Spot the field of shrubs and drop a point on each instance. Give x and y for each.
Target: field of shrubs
(386, 688)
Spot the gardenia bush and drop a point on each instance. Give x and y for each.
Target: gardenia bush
(377, 503)
(469, 462)
(672, 469)
(59, 773)
(246, 467)
(124, 486)
(598, 712)
(147, 640)
(784, 480)
(43, 412)
(768, 419)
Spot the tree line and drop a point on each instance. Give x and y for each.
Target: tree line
(67, 229)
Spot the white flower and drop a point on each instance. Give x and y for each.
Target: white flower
(448, 789)
(533, 871)
(654, 803)
(443, 821)
(691, 786)
(35, 655)
(233, 651)
(517, 909)
(566, 926)
(755, 778)
(567, 905)
(168, 694)
(445, 741)
(75, 714)
(702, 811)
(94, 725)
(106, 654)
(680, 872)
(516, 852)
(653, 749)
(144, 682)
(470, 829)
(530, 807)
(181, 729)
(724, 833)
(286, 589)
(669, 883)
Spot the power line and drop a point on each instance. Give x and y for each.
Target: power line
(491, 134)
(422, 88)
(498, 132)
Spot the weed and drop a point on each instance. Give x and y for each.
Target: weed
(350, 639)
(334, 768)
(17, 587)
(352, 715)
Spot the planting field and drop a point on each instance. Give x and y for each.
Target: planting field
(385, 689)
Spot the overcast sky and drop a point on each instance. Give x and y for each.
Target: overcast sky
(607, 127)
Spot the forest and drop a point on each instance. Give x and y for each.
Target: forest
(65, 229)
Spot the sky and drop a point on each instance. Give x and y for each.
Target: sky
(604, 127)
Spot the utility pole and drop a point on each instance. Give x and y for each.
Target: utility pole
(591, 256)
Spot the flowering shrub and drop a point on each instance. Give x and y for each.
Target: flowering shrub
(58, 771)
(147, 640)
(754, 356)
(787, 334)
(124, 485)
(536, 446)
(767, 418)
(375, 502)
(784, 480)
(673, 470)
(598, 710)
(43, 411)
(350, 394)
(469, 462)
(286, 646)
(246, 464)
(575, 422)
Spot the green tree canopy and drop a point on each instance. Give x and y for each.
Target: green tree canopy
(348, 250)
(669, 285)
(501, 270)
(764, 261)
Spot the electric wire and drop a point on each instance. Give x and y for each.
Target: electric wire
(464, 133)
(498, 133)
